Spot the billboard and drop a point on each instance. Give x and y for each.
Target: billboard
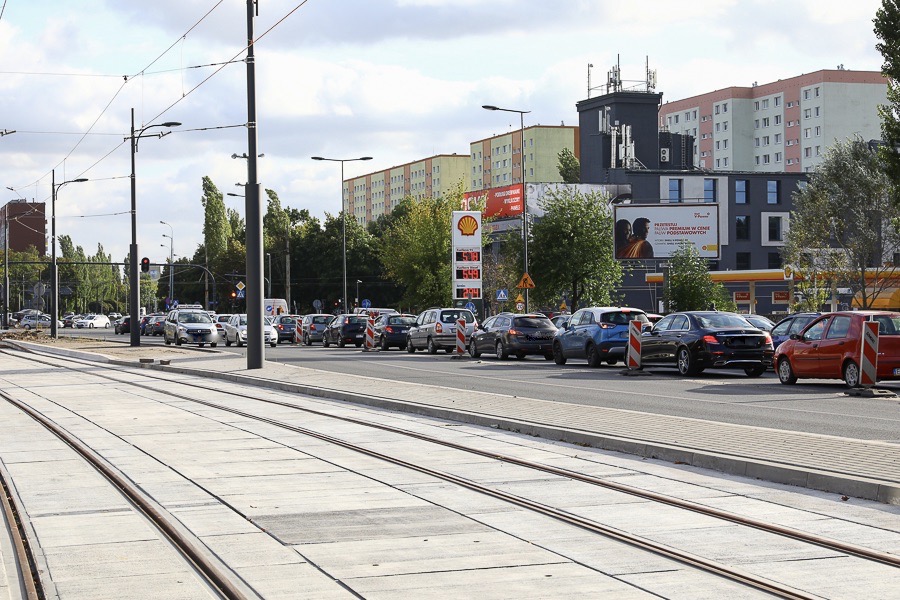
(657, 230)
(500, 202)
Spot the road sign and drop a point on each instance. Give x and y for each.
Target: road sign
(317, 304)
(520, 306)
(470, 306)
(526, 282)
(240, 294)
(367, 303)
(519, 298)
(563, 306)
(502, 295)
(240, 286)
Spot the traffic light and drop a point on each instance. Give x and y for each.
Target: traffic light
(145, 265)
(234, 294)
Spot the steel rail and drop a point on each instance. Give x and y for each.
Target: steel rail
(24, 560)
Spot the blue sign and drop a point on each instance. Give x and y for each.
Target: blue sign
(366, 303)
(470, 306)
(240, 293)
(502, 295)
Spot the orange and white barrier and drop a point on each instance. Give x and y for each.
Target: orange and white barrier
(633, 356)
(370, 334)
(868, 355)
(460, 337)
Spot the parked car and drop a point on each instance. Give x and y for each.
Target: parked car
(760, 322)
(696, 340)
(391, 329)
(346, 329)
(220, 321)
(375, 312)
(156, 325)
(435, 328)
(285, 326)
(513, 334)
(653, 317)
(829, 348)
(189, 326)
(35, 321)
(560, 320)
(236, 331)
(312, 328)
(123, 325)
(114, 316)
(92, 322)
(69, 320)
(791, 324)
(596, 334)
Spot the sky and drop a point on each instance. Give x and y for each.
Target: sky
(397, 80)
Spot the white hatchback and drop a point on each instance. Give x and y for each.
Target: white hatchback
(92, 322)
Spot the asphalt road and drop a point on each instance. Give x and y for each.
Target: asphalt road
(726, 396)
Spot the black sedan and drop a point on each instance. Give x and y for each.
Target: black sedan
(345, 329)
(693, 341)
(123, 325)
(511, 334)
(390, 330)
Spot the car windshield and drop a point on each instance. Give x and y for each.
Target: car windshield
(321, 320)
(452, 316)
(287, 320)
(721, 320)
(197, 317)
(357, 320)
(401, 320)
(242, 320)
(622, 317)
(534, 322)
(760, 322)
(888, 324)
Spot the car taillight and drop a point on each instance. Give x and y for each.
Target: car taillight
(710, 339)
(389, 329)
(438, 328)
(768, 338)
(312, 327)
(513, 332)
(606, 325)
(281, 327)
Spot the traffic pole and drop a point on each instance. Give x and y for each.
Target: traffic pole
(868, 355)
(633, 360)
(460, 337)
(370, 335)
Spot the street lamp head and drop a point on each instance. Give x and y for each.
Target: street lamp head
(318, 158)
(80, 180)
(489, 107)
(364, 158)
(171, 124)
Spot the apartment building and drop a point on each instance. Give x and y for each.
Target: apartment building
(25, 223)
(504, 160)
(369, 196)
(783, 126)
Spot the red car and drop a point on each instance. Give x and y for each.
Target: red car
(829, 348)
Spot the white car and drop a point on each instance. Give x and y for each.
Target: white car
(92, 322)
(236, 331)
(37, 322)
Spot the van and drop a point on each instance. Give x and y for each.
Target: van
(272, 307)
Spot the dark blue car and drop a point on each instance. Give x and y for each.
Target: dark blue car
(597, 335)
(791, 324)
(391, 330)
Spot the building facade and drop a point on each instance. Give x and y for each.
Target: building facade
(504, 160)
(785, 125)
(26, 224)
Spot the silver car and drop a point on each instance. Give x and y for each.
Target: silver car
(190, 326)
(312, 328)
(435, 329)
(236, 331)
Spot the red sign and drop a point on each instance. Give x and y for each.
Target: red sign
(781, 297)
(742, 296)
(500, 202)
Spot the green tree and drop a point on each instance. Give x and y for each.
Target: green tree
(571, 250)
(568, 166)
(842, 221)
(415, 251)
(689, 285)
(216, 226)
(887, 29)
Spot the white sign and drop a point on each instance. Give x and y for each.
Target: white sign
(658, 230)
(466, 273)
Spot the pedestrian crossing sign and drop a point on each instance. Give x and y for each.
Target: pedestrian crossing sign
(502, 295)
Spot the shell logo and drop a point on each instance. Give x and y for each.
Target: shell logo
(468, 225)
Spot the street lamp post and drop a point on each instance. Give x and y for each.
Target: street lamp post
(358, 281)
(133, 276)
(343, 217)
(522, 114)
(54, 268)
(171, 237)
(269, 287)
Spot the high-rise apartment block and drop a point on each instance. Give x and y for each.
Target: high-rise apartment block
(784, 126)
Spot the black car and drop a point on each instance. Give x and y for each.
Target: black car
(696, 340)
(390, 330)
(345, 329)
(123, 325)
(512, 334)
(284, 326)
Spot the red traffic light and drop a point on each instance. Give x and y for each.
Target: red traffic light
(145, 265)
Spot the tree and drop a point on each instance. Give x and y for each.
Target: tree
(568, 166)
(216, 225)
(689, 285)
(415, 250)
(842, 221)
(571, 249)
(887, 29)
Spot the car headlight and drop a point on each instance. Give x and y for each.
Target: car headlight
(182, 329)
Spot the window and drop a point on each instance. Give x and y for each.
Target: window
(756, 142)
(724, 107)
(718, 127)
(742, 261)
(817, 92)
(675, 187)
(765, 103)
(775, 233)
(777, 101)
(778, 119)
(725, 161)
(725, 125)
(806, 94)
(695, 115)
(765, 140)
(766, 121)
(709, 190)
(756, 123)
(766, 159)
(742, 227)
(775, 260)
(817, 111)
(717, 145)
(756, 105)
(717, 109)
(807, 132)
(818, 150)
(807, 113)
(718, 163)
(676, 119)
(725, 144)
(772, 191)
(840, 326)
(741, 187)
(817, 131)
(777, 138)
(687, 116)
(778, 157)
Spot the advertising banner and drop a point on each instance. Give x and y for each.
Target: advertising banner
(658, 230)
(506, 201)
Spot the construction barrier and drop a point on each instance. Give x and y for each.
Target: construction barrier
(868, 354)
(633, 357)
(370, 334)
(460, 337)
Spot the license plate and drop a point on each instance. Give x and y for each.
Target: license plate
(897, 371)
(358, 335)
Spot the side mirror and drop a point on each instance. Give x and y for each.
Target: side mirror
(796, 336)
(646, 327)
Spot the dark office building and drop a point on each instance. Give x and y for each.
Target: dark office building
(27, 223)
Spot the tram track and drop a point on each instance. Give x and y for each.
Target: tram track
(734, 574)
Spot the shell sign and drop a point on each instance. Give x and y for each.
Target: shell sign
(466, 229)
(467, 225)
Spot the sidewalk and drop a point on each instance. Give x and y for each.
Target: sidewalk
(858, 468)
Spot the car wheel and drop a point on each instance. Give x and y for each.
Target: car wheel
(213, 345)
(785, 372)
(239, 341)
(227, 341)
(593, 356)
(383, 343)
(686, 362)
(548, 356)
(325, 343)
(91, 326)
(409, 346)
(473, 351)
(612, 362)
(200, 345)
(851, 374)
(274, 344)
(341, 343)
(500, 351)
(177, 341)
(558, 356)
(358, 344)
(166, 340)
(27, 327)
(307, 341)
(755, 371)
(106, 326)
(520, 355)
(432, 349)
